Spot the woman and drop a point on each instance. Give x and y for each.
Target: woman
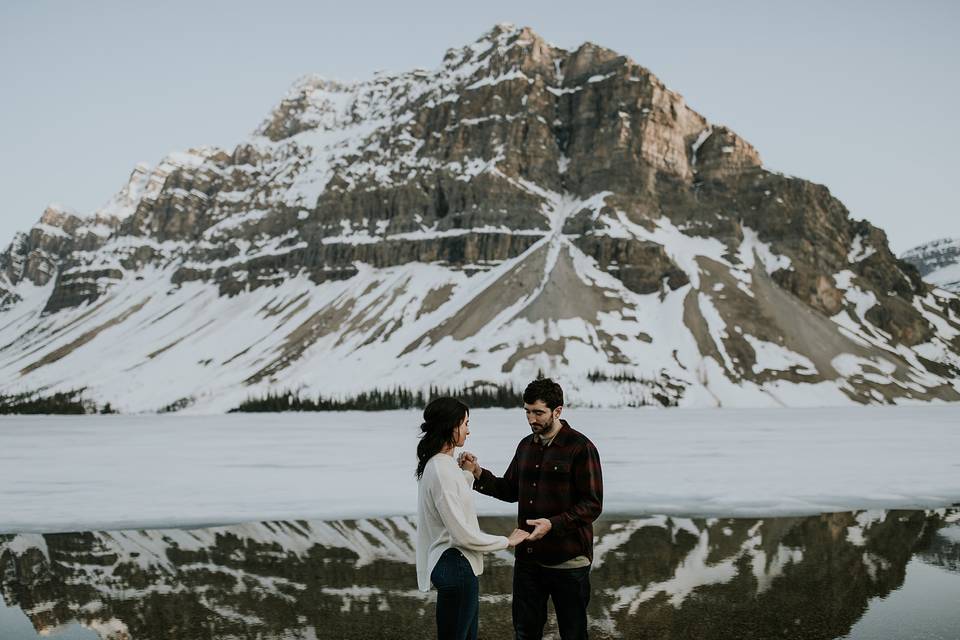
(450, 544)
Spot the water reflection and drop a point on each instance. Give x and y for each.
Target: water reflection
(654, 577)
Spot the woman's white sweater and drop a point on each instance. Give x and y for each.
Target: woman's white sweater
(447, 518)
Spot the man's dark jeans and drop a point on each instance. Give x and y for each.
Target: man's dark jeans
(458, 597)
(570, 590)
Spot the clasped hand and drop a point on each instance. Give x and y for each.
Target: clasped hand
(468, 462)
(518, 536)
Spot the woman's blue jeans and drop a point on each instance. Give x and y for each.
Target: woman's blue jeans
(458, 597)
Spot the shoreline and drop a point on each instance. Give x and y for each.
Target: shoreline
(614, 515)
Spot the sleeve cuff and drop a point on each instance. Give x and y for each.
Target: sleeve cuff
(556, 524)
(483, 481)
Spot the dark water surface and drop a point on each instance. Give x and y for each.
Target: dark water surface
(877, 574)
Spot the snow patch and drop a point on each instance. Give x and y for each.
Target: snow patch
(859, 252)
(695, 147)
(774, 357)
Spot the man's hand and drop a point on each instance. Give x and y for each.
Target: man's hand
(541, 527)
(518, 536)
(468, 462)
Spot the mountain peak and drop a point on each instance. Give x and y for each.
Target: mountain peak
(938, 262)
(933, 245)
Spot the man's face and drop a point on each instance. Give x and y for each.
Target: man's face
(540, 418)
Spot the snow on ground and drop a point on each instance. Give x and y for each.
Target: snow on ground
(108, 472)
(948, 276)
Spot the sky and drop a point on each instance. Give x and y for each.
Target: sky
(859, 96)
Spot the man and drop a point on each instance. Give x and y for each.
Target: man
(555, 477)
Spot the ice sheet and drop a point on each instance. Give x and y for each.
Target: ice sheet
(110, 472)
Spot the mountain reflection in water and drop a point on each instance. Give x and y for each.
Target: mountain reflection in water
(654, 577)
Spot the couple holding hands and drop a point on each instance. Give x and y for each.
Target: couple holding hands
(556, 481)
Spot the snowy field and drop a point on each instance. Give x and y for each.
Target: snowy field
(108, 472)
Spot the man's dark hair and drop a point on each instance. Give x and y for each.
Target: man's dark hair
(544, 389)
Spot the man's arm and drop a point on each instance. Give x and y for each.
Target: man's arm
(587, 481)
(505, 488)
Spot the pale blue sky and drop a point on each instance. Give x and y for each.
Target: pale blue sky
(861, 96)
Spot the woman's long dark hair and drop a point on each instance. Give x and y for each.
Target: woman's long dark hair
(440, 418)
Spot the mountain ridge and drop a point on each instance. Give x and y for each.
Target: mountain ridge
(938, 262)
(519, 208)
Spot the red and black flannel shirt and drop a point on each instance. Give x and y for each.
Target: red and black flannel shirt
(561, 482)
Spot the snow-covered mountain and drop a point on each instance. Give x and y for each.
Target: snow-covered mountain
(519, 208)
(938, 262)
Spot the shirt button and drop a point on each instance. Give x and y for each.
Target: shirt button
(534, 484)
(529, 550)
(554, 468)
(537, 466)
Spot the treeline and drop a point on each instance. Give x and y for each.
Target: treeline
(64, 403)
(477, 397)
(621, 376)
(658, 395)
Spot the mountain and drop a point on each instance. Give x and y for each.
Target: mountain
(518, 208)
(938, 262)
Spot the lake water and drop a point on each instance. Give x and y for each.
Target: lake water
(865, 575)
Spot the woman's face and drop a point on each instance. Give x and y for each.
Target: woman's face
(462, 431)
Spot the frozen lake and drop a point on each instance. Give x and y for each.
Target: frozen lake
(121, 472)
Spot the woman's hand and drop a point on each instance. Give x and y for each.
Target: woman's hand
(518, 536)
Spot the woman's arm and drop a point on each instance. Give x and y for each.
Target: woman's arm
(462, 532)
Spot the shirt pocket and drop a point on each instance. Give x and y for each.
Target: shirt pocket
(558, 468)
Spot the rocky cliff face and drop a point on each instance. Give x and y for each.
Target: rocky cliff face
(938, 262)
(519, 208)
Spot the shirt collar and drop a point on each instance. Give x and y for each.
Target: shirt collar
(557, 437)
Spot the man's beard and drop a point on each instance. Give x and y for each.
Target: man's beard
(539, 429)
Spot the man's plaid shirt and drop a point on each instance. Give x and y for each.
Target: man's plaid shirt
(561, 482)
